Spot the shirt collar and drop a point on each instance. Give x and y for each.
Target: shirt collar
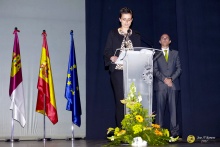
(165, 49)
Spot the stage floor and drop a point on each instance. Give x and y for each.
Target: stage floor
(92, 143)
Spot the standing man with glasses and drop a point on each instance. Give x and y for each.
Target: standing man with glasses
(167, 70)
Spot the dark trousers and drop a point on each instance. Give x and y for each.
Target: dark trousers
(117, 83)
(167, 96)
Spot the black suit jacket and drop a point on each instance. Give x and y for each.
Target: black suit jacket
(163, 69)
(114, 42)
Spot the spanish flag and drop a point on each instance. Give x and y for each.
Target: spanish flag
(45, 85)
(16, 91)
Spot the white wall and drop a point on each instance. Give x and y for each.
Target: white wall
(32, 17)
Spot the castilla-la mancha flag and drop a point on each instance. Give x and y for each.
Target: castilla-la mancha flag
(45, 85)
(16, 84)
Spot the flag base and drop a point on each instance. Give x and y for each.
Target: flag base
(12, 140)
(44, 139)
(71, 138)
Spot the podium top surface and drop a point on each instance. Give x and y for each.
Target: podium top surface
(136, 48)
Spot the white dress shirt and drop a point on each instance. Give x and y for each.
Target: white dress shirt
(165, 49)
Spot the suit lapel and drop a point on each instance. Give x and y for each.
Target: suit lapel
(162, 57)
(170, 57)
(162, 60)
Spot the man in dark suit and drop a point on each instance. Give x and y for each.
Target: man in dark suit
(167, 69)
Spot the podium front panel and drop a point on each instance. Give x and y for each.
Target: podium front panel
(138, 68)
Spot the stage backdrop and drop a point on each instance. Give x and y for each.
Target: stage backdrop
(194, 28)
(32, 17)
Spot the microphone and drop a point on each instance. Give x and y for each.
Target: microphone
(125, 43)
(128, 31)
(119, 49)
(146, 41)
(157, 56)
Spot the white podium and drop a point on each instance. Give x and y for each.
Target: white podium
(138, 68)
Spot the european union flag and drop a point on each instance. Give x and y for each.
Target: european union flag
(72, 86)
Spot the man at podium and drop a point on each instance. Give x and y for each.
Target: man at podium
(167, 70)
(120, 38)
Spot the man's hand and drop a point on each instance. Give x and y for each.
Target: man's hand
(168, 82)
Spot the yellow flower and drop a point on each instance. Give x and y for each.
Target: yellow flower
(157, 132)
(166, 132)
(116, 131)
(156, 126)
(147, 128)
(139, 118)
(137, 129)
(122, 132)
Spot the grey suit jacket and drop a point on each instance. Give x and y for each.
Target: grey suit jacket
(171, 69)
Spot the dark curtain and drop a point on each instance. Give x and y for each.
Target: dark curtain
(194, 28)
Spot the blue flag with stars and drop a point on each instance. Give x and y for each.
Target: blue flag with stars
(72, 86)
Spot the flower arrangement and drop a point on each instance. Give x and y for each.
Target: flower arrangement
(137, 123)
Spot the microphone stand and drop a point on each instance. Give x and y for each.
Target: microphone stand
(158, 55)
(146, 41)
(125, 45)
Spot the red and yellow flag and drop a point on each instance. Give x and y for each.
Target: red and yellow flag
(45, 85)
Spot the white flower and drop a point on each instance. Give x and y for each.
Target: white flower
(112, 138)
(138, 142)
(139, 98)
(134, 89)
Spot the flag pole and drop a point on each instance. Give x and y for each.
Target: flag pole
(44, 123)
(12, 127)
(12, 121)
(72, 136)
(44, 118)
(72, 88)
(72, 132)
(12, 130)
(72, 123)
(46, 103)
(44, 139)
